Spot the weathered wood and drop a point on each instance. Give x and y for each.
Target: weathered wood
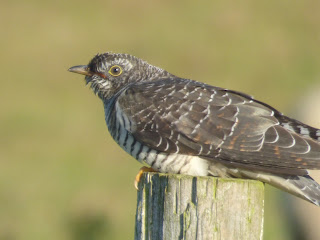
(192, 208)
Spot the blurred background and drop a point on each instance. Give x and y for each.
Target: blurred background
(61, 174)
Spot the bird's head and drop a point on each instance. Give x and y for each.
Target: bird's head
(108, 73)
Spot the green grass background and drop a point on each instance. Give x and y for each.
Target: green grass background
(61, 174)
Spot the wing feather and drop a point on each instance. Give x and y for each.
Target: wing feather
(193, 118)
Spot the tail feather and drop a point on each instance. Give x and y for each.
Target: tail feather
(306, 188)
(301, 186)
(299, 127)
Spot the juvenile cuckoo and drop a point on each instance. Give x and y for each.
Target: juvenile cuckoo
(178, 125)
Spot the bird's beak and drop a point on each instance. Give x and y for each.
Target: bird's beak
(81, 69)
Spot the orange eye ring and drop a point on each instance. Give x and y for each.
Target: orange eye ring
(115, 70)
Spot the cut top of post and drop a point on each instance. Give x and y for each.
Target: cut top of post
(172, 206)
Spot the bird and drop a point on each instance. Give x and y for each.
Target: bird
(182, 126)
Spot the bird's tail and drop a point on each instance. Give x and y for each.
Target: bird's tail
(304, 187)
(301, 186)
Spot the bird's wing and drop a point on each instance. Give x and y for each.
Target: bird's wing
(189, 117)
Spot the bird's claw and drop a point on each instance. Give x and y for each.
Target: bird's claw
(139, 175)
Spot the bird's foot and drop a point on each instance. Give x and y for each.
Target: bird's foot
(139, 175)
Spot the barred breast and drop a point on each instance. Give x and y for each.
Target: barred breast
(120, 127)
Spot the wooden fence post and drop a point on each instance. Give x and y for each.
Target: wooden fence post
(174, 206)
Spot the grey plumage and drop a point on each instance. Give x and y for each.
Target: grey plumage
(183, 126)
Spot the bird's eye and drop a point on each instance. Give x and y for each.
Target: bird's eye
(115, 70)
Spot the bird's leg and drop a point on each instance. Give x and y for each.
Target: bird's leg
(139, 175)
